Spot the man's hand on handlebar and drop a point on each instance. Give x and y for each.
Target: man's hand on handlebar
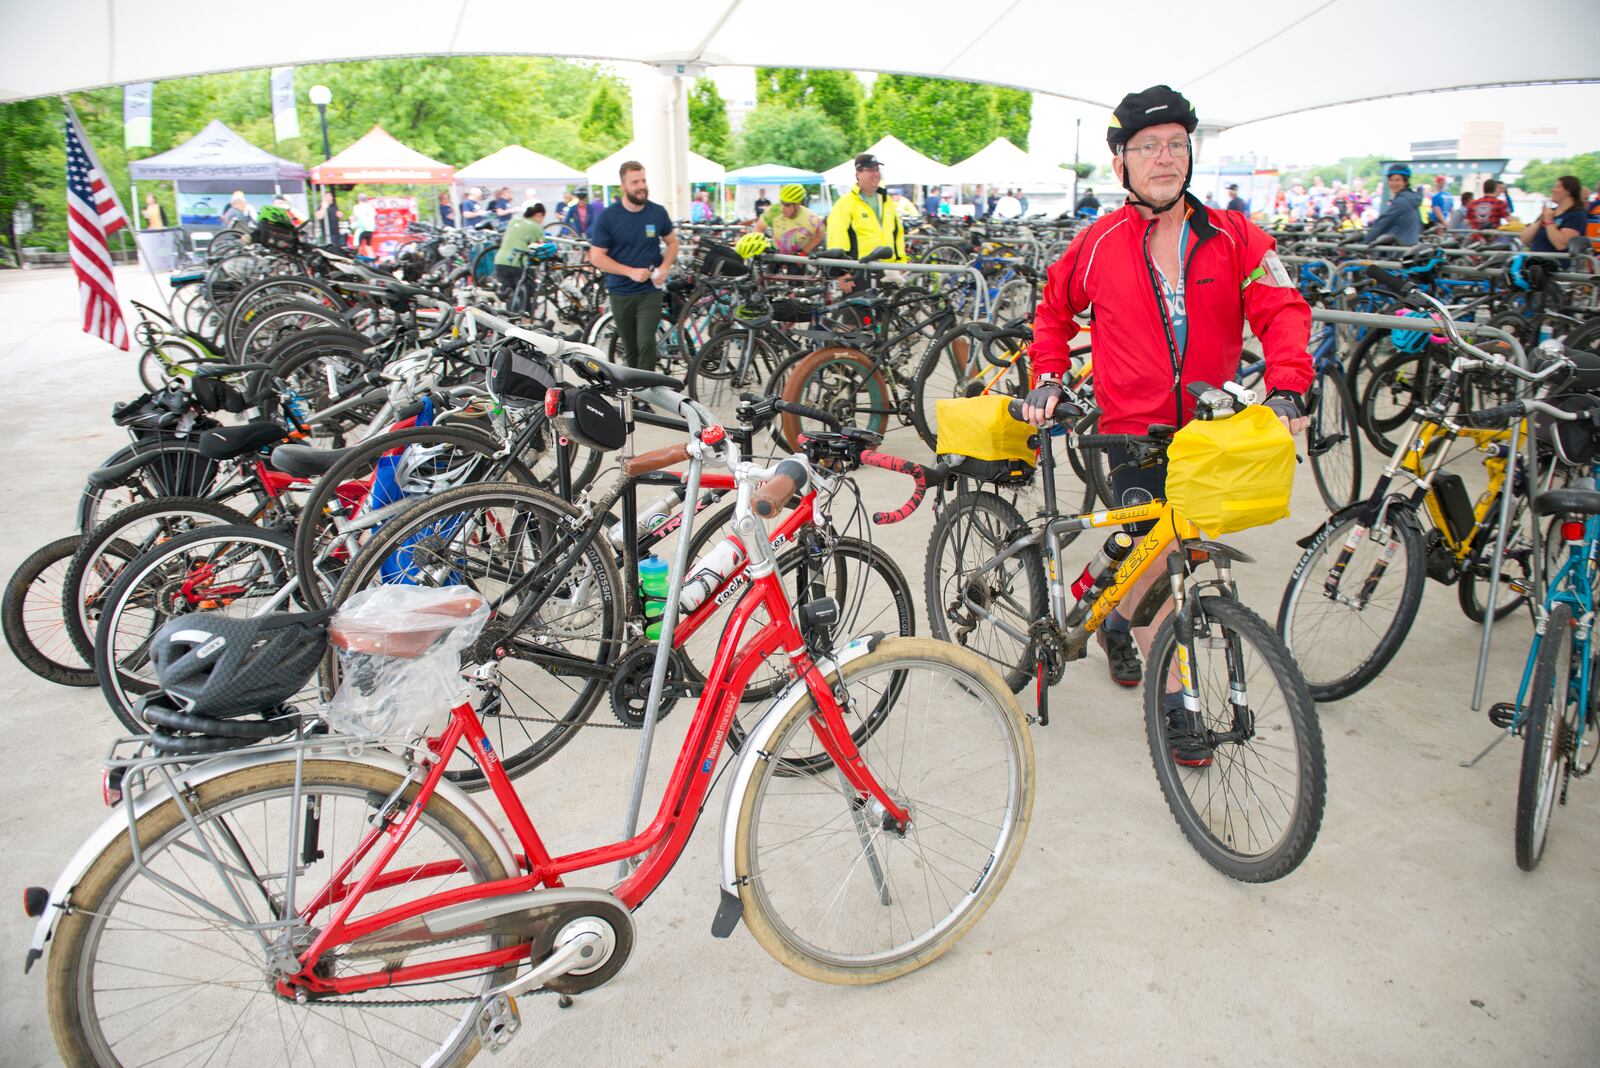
(1289, 411)
(1040, 403)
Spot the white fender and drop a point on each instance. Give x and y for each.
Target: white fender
(117, 822)
(755, 744)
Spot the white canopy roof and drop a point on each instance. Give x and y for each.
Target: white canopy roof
(216, 152)
(515, 165)
(378, 159)
(701, 170)
(902, 165)
(770, 174)
(1256, 62)
(1002, 163)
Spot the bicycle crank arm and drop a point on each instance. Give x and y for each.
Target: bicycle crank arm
(578, 953)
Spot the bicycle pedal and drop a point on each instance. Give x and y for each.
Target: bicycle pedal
(1503, 715)
(498, 1022)
(1520, 587)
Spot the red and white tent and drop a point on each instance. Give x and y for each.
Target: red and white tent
(378, 159)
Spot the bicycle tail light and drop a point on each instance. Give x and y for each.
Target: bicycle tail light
(552, 402)
(1572, 532)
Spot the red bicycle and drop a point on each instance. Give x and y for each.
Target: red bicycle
(325, 898)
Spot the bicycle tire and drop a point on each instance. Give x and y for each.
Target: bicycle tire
(310, 534)
(155, 581)
(976, 526)
(1516, 565)
(1393, 393)
(911, 664)
(1313, 641)
(305, 370)
(1222, 841)
(718, 374)
(411, 550)
(112, 881)
(256, 297)
(33, 595)
(174, 468)
(1546, 737)
(836, 379)
(79, 601)
(1333, 441)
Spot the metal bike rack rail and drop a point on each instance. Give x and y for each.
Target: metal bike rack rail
(984, 311)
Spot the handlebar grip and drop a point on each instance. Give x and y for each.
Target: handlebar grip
(656, 460)
(919, 477)
(1395, 283)
(791, 478)
(1488, 418)
(1109, 441)
(1065, 412)
(805, 411)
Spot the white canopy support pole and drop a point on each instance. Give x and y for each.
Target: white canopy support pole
(138, 209)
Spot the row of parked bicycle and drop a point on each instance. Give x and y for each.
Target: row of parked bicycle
(412, 571)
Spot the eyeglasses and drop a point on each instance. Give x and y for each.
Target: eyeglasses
(1152, 149)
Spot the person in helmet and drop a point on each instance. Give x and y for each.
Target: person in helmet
(1173, 284)
(794, 228)
(863, 220)
(521, 233)
(1402, 215)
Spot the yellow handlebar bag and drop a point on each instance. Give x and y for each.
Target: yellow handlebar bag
(1231, 474)
(980, 427)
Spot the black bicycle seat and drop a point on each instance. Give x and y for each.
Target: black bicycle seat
(226, 442)
(1567, 502)
(302, 461)
(620, 377)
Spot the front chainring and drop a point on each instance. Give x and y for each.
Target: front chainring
(630, 684)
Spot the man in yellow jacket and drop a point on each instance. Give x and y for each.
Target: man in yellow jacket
(864, 218)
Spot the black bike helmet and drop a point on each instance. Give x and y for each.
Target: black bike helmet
(1154, 106)
(225, 666)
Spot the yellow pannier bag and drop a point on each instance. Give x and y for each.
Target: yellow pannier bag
(1231, 474)
(980, 427)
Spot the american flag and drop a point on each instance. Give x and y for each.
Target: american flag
(93, 215)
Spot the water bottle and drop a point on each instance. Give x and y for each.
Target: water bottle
(1098, 575)
(653, 582)
(717, 565)
(651, 517)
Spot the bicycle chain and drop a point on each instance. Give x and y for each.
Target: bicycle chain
(386, 1003)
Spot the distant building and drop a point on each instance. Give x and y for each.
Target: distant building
(1491, 140)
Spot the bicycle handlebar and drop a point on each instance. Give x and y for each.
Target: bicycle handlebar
(790, 477)
(921, 476)
(656, 459)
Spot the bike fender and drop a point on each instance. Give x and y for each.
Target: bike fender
(1399, 507)
(755, 744)
(116, 823)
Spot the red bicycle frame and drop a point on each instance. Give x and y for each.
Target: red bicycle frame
(662, 842)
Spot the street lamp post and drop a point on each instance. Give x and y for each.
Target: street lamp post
(321, 96)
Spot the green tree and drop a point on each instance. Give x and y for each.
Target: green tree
(836, 93)
(606, 122)
(709, 132)
(948, 120)
(1539, 176)
(794, 137)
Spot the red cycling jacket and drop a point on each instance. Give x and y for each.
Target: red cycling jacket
(1233, 274)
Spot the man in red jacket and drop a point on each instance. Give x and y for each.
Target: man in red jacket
(1170, 284)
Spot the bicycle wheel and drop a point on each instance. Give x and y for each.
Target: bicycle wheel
(842, 382)
(31, 616)
(511, 543)
(1333, 442)
(1394, 392)
(412, 463)
(175, 468)
(1344, 638)
(158, 959)
(730, 363)
(316, 375)
(1548, 736)
(968, 534)
(1516, 566)
(954, 750)
(240, 571)
(953, 366)
(1253, 812)
(106, 550)
(170, 357)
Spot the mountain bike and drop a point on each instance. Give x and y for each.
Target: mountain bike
(1252, 805)
(1354, 594)
(320, 895)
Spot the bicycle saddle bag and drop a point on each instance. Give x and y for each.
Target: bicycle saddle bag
(516, 379)
(589, 418)
(1575, 441)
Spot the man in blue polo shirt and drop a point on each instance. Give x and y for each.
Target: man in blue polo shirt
(626, 243)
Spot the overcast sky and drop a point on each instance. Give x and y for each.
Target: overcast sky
(1382, 128)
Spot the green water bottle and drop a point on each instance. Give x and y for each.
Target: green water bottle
(653, 580)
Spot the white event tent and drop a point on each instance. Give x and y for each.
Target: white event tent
(1002, 163)
(539, 177)
(902, 165)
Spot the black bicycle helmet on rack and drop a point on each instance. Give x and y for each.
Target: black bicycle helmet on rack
(1155, 106)
(222, 667)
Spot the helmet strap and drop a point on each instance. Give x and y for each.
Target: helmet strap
(1137, 201)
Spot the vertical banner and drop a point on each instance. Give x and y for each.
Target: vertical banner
(285, 120)
(136, 102)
